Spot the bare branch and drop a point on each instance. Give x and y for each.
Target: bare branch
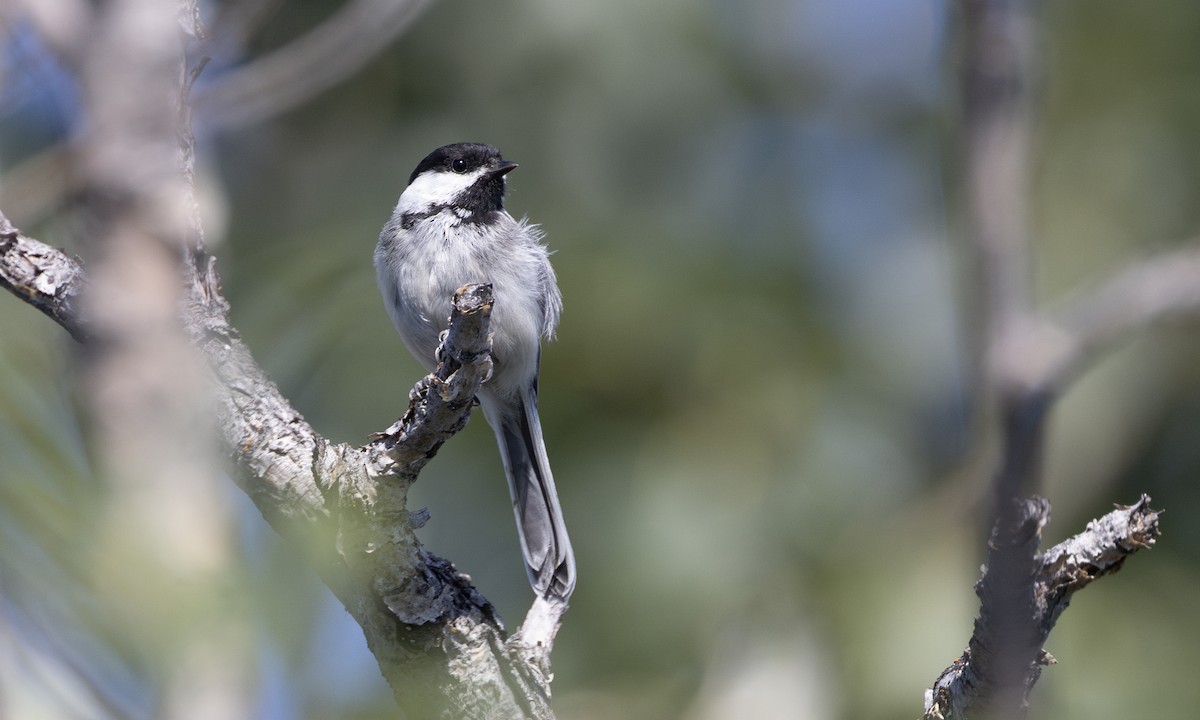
(42, 276)
(1026, 361)
(966, 687)
(407, 445)
(438, 641)
(1155, 290)
(142, 382)
(996, 69)
(1099, 550)
(997, 63)
(1005, 627)
(309, 65)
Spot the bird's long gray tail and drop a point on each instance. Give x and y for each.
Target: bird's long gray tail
(549, 559)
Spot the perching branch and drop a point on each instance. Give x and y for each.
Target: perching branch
(437, 640)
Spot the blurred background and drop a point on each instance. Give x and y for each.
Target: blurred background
(760, 408)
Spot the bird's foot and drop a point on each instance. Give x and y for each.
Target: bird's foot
(418, 391)
(439, 354)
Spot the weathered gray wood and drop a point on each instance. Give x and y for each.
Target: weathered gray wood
(968, 688)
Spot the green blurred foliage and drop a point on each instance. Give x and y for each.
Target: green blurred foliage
(757, 406)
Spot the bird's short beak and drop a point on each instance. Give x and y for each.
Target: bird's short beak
(504, 167)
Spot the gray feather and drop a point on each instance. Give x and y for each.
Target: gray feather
(549, 558)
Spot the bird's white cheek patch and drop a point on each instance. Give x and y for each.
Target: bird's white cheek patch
(435, 188)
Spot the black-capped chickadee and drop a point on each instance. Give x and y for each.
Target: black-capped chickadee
(450, 229)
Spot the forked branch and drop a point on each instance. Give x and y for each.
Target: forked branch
(438, 641)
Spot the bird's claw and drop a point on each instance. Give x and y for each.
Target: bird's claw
(439, 353)
(418, 391)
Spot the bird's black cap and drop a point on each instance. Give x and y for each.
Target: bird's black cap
(462, 158)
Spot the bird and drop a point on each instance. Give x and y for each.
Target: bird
(450, 228)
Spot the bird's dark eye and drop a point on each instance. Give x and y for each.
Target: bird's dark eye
(459, 165)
